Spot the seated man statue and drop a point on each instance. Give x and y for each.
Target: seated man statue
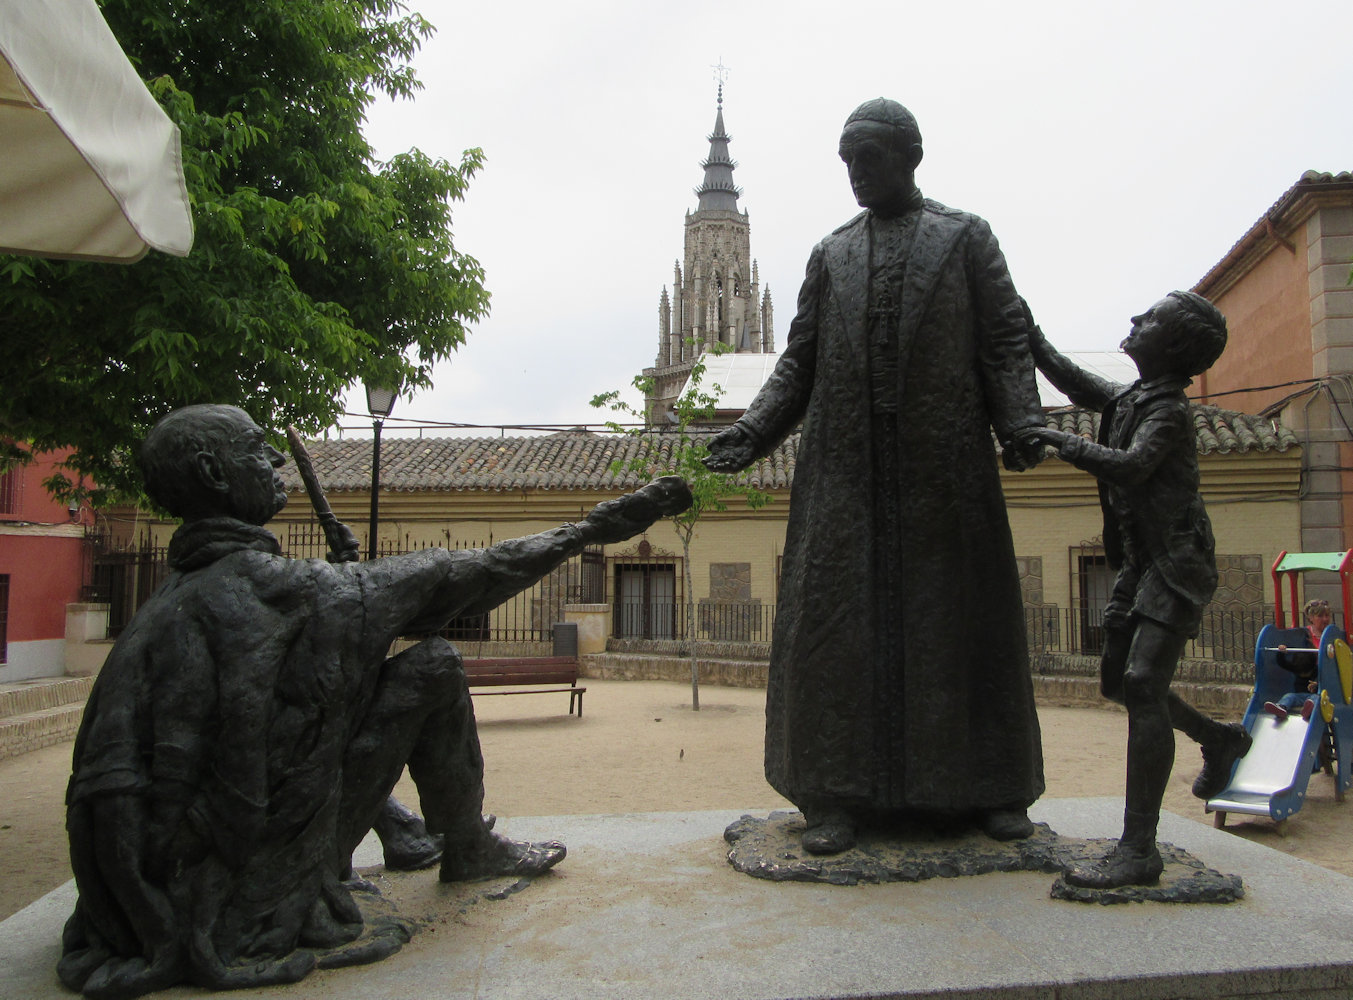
(248, 727)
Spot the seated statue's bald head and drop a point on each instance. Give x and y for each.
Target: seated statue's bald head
(168, 456)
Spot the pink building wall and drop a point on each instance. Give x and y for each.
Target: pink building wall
(42, 553)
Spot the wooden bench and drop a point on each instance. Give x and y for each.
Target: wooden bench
(515, 671)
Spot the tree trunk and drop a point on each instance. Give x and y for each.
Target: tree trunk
(690, 623)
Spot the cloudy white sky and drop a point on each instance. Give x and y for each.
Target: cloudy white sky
(1118, 151)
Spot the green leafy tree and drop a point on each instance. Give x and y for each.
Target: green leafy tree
(314, 266)
(678, 449)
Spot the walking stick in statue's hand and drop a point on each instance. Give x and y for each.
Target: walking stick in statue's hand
(343, 545)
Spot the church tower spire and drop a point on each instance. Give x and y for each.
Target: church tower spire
(716, 296)
(718, 192)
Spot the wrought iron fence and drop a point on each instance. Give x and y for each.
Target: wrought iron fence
(716, 621)
(1226, 633)
(645, 603)
(735, 621)
(125, 577)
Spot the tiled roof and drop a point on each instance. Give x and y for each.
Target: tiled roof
(739, 377)
(1312, 181)
(581, 460)
(1218, 431)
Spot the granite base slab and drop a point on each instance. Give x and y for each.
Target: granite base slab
(646, 906)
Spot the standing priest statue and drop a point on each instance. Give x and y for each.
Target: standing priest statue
(908, 347)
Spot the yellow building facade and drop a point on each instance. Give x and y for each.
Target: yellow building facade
(461, 493)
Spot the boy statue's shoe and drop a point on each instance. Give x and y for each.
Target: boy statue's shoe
(1218, 759)
(1121, 866)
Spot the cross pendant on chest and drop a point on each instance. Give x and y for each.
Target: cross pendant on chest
(884, 309)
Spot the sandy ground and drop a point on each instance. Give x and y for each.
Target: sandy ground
(639, 748)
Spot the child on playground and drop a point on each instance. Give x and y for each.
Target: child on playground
(1157, 534)
(1303, 665)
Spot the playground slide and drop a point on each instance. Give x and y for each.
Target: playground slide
(1271, 779)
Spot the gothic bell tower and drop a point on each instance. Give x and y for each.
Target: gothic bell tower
(716, 296)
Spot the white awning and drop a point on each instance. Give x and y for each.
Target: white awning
(90, 165)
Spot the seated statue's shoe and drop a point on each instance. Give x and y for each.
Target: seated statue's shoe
(409, 854)
(1007, 824)
(405, 841)
(355, 883)
(1218, 759)
(497, 855)
(1121, 866)
(829, 834)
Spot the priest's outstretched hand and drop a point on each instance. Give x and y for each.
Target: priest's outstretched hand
(731, 450)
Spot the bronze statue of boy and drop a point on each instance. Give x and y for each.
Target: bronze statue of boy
(248, 727)
(1158, 536)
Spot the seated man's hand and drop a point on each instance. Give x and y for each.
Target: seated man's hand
(731, 450)
(617, 520)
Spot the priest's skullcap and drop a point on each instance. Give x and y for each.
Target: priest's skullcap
(886, 112)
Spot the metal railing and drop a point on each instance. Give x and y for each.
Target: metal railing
(717, 621)
(1226, 634)
(124, 578)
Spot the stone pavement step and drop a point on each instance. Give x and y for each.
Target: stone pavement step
(38, 713)
(20, 734)
(1195, 683)
(1221, 701)
(646, 907)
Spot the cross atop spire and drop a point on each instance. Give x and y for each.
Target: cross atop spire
(721, 77)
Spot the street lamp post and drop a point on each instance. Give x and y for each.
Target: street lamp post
(379, 402)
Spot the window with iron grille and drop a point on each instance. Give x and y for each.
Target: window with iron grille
(4, 617)
(592, 585)
(9, 492)
(645, 600)
(1090, 590)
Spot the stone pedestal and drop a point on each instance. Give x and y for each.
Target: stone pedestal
(592, 621)
(646, 907)
(87, 642)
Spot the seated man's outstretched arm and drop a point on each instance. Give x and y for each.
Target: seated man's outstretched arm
(477, 580)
